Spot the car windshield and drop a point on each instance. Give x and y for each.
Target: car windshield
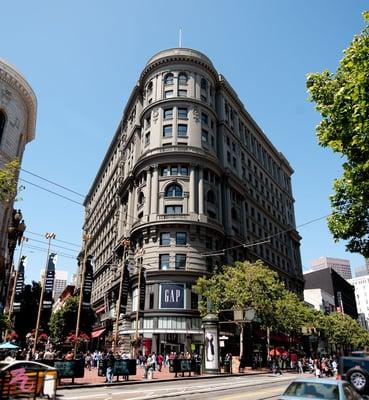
(313, 390)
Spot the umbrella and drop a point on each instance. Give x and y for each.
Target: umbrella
(8, 346)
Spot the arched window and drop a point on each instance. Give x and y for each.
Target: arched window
(182, 78)
(204, 84)
(173, 190)
(210, 197)
(2, 124)
(234, 214)
(168, 79)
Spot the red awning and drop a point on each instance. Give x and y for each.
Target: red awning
(97, 333)
(100, 309)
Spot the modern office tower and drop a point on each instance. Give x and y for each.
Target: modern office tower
(187, 174)
(341, 266)
(17, 128)
(60, 283)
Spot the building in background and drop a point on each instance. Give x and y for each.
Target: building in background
(17, 128)
(329, 281)
(60, 283)
(362, 271)
(320, 300)
(341, 266)
(361, 285)
(187, 174)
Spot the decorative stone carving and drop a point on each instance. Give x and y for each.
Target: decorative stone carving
(196, 114)
(15, 124)
(155, 114)
(6, 96)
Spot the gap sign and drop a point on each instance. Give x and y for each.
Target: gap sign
(172, 295)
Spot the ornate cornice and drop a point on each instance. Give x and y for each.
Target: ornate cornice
(14, 79)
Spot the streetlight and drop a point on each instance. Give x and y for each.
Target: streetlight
(126, 243)
(48, 236)
(86, 238)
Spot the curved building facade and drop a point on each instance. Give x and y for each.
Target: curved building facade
(188, 174)
(17, 128)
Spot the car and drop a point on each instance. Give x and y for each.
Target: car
(316, 388)
(355, 369)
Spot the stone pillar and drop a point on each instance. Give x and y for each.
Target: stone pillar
(135, 201)
(192, 190)
(129, 210)
(219, 202)
(228, 208)
(201, 191)
(147, 195)
(155, 191)
(211, 344)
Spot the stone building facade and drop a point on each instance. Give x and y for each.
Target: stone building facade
(188, 174)
(17, 128)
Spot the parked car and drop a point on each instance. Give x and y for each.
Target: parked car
(355, 369)
(328, 389)
(27, 379)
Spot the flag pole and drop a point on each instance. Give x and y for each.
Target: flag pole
(48, 236)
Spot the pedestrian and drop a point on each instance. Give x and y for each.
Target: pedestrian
(88, 361)
(299, 366)
(160, 360)
(110, 367)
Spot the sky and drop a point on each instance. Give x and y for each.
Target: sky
(82, 59)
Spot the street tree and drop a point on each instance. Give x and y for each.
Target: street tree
(342, 100)
(8, 181)
(253, 285)
(63, 321)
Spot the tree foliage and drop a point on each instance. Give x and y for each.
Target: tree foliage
(63, 321)
(8, 180)
(253, 285)
(342, 99)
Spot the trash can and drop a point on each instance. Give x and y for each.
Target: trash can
(227, 367)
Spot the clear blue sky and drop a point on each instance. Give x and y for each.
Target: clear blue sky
(83, 57)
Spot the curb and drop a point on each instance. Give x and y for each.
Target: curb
(180, 378)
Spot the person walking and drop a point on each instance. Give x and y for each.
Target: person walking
(160, 360)
(110, 367)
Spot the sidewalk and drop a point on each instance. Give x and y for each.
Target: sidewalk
(92, 379)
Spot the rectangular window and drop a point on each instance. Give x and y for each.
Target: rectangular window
(164, 171)
(165, 239)
(182, 93)
(228, 156)
(181, 238)
(168, 94)
(148, 122)
(204, 136)
(173, 209)
(180, 261)
(194, 301)
(147, 138)
(212, 141)
(184, 171)
(151, 303)
(168, 113)
(164, 262)
(167, 131)
(234, 161)
(182, 130)
(212, 124)
(203, 97)
(182, 113)
(209, 242)
(204, 118)
(174, 170)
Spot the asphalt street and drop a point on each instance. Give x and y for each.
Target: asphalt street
(229, 388)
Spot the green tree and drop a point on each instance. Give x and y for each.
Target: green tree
(253, 285)
(8, 180)
(4, 323)
(63, 321)
(342, 99)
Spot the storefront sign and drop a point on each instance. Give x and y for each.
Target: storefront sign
(172, 295)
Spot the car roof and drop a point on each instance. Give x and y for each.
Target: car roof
(318, 380)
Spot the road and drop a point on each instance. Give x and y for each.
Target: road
(230, 388)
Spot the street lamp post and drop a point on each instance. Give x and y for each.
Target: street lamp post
(48, 236)
(86, 238)
(126, 243)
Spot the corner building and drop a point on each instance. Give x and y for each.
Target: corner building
(188, 173)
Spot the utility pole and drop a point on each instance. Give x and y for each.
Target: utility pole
(126, 243)
(86, 238)
(48, 236)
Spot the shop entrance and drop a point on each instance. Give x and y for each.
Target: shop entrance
(167, 348)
